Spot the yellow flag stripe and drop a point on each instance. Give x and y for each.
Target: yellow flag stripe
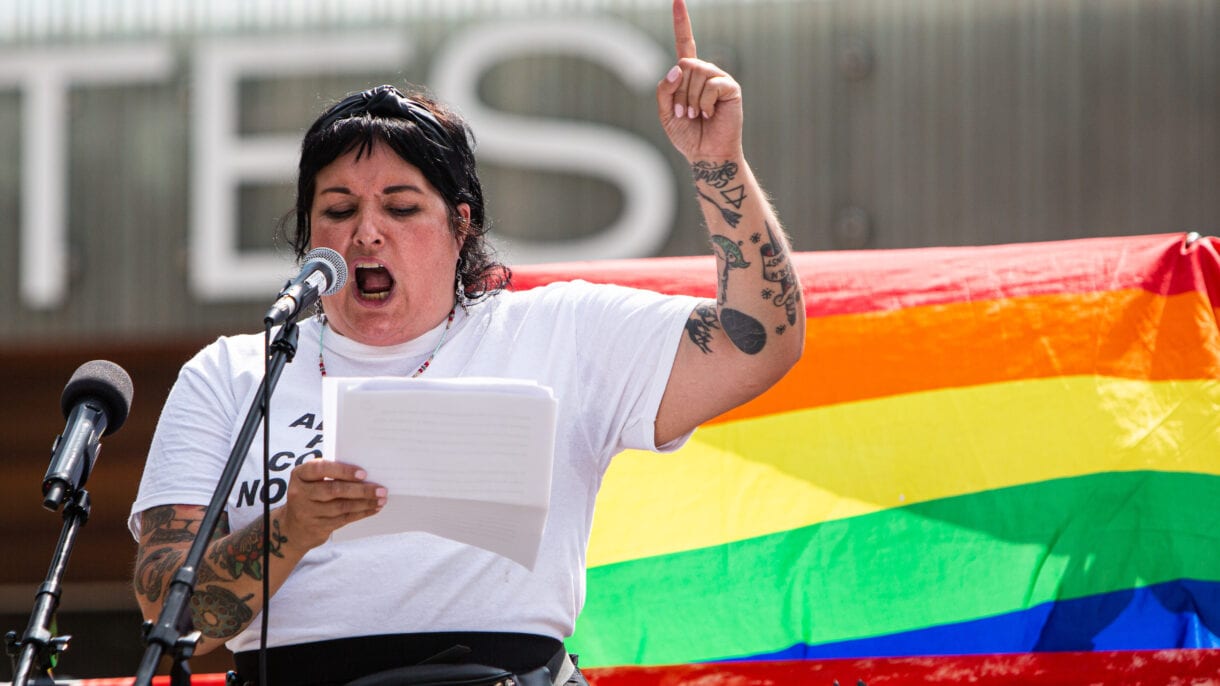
(767, 474)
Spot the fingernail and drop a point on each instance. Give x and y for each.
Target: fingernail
(674, 74)
(381, 502)
(381, 493)
(361, 474)
(678, 111)
(706, 115)
(692, 112)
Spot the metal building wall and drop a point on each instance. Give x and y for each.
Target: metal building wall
(873, 124)
(1020, 120)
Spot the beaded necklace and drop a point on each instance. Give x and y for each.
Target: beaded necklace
(422, 367)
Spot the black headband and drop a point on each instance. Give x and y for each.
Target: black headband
(388, 101)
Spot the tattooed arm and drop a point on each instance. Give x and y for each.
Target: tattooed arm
(745, 341)
(322, 496)
(229, 579)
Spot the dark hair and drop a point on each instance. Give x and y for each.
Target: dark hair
(427, 135)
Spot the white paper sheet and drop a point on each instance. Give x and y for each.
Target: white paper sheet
(466, 459)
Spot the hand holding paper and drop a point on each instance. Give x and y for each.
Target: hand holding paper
(466, 459)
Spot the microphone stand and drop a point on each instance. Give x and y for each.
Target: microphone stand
(173, 631)
(38, 644)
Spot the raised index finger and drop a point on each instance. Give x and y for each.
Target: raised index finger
(684, 38)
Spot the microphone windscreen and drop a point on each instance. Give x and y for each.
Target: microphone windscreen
(338, 267)
(105, 382)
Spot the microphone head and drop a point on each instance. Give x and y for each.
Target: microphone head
(105, 382)
(332, 262)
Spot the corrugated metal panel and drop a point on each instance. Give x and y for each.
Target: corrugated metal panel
(1015, 120)
(873, 123)
(42, 20)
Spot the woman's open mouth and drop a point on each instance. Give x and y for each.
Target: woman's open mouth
(373, 281)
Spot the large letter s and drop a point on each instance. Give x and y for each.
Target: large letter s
(639, 170)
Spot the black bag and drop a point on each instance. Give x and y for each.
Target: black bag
(432, 659)
(453, 675)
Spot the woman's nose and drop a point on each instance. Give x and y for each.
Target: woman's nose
(367, 232)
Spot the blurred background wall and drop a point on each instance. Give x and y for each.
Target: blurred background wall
(147, 150)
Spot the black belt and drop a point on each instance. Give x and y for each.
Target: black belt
(338, 661)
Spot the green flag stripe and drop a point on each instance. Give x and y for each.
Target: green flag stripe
(944, 561)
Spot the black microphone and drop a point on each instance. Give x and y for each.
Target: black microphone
(323, 273)
(95, 402)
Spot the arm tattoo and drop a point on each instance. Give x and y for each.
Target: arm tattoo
(162, 525)
(778, 270)
(219, 613)
(730, 257)
(714, 175)
(734, 196)
(699, 326)
(206, 575)
(730, 217)
(746, 332)
(165, 533)
(153, 569)
(244, 554)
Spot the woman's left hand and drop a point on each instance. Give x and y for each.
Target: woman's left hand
(699, 103)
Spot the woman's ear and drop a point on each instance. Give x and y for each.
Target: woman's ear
(461, 230)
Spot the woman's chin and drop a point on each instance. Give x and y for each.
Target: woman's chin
(370, 321)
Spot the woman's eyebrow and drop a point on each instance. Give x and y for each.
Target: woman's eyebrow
(401, 188)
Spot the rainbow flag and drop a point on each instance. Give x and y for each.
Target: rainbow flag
(984, 450)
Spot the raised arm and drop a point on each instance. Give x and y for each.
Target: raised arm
(750, 336)
(322, 496)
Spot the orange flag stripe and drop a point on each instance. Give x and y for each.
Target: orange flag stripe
(1132, 334)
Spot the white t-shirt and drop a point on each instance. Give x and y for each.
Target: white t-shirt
(606, 351)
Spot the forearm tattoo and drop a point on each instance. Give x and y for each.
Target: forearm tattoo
(219, 613)
(714, 175)
(730, 217)
(777, 269)
(153, 571)
(730, 257)
(162, 551)
(244, 553)
(745, 332)
(718, 177)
